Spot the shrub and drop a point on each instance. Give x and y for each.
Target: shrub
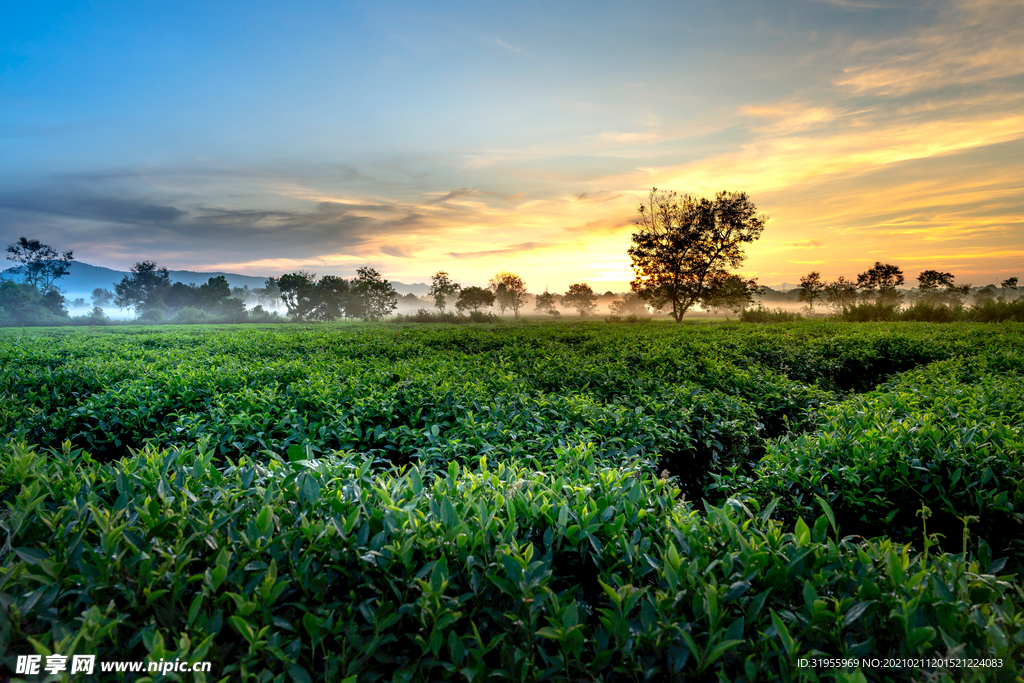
(190, 315)
(927, 439)
(760, 314)
(321, 569)
(870, 312)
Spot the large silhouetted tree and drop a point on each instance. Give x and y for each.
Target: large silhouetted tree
(685, 245)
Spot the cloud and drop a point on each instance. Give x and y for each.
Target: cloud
(806, 244)
(597, 196)
(107, 209)
(970, 43)
(397, 252)
(455, 194)
(512, 249)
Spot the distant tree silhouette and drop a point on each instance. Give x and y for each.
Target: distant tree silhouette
(143, 288)
(811, 289)
(545, 303)
(730, 292)
(581, 297)
(880, 283)
(298, 292)
(630, 304)
(474, 298)
(509, 291)
(102, 297)
(372, 294)
(332, 298)
(936, 287)
(442, 289)
(841, 294)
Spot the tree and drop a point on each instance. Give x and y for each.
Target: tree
(24, 304)
(40, 263)
(332, 298)
(811, 289)
(474, 298)
(214, 293)
(581, 297)
(374, 295)
(1007, 285)
(546, 302)
(685, 244)
(509, 291)
(937, 287)
(102, 297)
(143, 288)
(841, 294)
(298, 292)
(270, 293)
(880, 282)
(630, 304)
(730, 292)
(441, 288)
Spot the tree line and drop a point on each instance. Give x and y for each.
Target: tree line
(683, 252)
(879, 285)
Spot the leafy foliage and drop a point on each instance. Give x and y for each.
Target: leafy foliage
(520, 502)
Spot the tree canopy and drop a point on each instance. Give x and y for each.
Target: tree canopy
(41, 264)
(812, 288)
(474, 298)
(373, 294)
(938, 287)
(442, 288)
(684, 246)
(880, 283)
(509, 291)
(142, 287)
(581, 297)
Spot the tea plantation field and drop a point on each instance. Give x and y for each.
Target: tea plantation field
(556, 501)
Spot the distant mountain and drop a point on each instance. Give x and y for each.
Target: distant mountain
(84, 277)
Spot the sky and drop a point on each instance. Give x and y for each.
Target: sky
(262, 137)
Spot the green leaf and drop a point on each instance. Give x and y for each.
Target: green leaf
(827, 509)
(295, 453)
(855, 612)
(783, 633)
(736, 590)
(299, 674)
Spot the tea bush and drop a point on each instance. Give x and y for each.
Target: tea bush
(563, 501)
(322, 567)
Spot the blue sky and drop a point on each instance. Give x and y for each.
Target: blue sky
(260, 137)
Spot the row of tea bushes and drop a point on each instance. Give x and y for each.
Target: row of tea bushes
(689, 398)
(949, 437)
(325, 569)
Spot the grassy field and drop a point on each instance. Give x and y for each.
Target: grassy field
(539, 501)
